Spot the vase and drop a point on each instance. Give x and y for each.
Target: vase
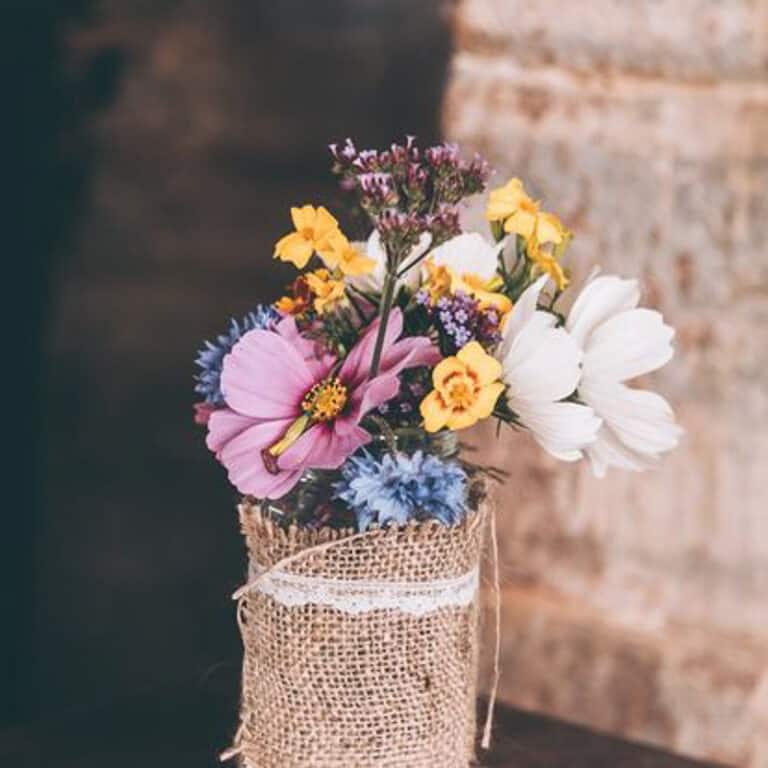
(360, 650)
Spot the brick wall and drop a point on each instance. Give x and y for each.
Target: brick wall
(638, 604)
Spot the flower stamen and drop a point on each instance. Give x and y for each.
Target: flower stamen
(326, 400)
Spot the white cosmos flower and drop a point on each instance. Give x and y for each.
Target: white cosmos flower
(620, 342)
(373, 282)
(542, 365)
(469, 253)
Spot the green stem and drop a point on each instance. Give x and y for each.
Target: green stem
(387, 300)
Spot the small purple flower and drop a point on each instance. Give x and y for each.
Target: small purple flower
(460, 320)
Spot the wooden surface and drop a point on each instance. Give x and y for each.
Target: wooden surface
(185, 727)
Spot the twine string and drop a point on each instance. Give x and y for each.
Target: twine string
(486, 742)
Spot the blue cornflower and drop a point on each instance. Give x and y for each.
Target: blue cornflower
(397, 488)
(211, 356)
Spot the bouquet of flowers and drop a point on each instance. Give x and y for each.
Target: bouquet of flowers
(335, 411)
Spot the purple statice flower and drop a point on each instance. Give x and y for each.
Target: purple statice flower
(344, 154)
(367, 161)
(460, 320)
(399, 231)
(443, 155)
(444, 224)
(211, 356)
(378, 190)
(396, 488)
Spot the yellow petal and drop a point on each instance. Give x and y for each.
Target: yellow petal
(521, 223)
(504, 201)
(331, 248)
(354, 263)
(475, 286)
(447, 367)
(294, 248)
(549, 228)
(434, 411)
(461, 419)
(324, 224)
(482, 408)
(304, 217)
(486, 368)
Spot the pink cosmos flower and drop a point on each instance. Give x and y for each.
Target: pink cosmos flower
(291, 409)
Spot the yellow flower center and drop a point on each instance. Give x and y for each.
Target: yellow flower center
(326, 400)
(460, 391)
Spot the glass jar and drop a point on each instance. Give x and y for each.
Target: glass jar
(310, 502)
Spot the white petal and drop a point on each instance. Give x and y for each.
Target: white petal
(467, 253)
(373, 282)
(562, 429)
(521, 313)
(412, 278)
(627, 345)
(641, 421)
(543, 363)
(609, 451)
(599, 300)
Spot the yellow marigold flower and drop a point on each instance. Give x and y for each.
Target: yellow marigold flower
(314, 227)
(520, 214)
(466, 388)
(327, 291)
(342, 255)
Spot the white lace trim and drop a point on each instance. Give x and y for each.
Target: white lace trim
(354, 596)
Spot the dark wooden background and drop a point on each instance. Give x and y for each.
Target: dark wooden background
(155, 148)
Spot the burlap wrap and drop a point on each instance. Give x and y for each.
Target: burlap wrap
(327, 688)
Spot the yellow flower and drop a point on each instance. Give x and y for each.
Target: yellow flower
(342, 255)
(300, 299)
(439, 280)
(466, 388)
(483, 291)
(545, 262)
(327, 291)
(314, 227)
(443, 281)
(547, 259)
(520, 214)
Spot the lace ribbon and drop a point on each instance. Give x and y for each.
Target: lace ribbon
(358, 596)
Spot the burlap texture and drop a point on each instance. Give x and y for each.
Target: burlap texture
(327, 689)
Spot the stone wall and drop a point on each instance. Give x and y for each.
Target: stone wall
(638, 604)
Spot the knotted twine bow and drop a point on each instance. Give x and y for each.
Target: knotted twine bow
(241, 594)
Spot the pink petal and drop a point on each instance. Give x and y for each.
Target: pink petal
(322, 447)
(265, 376)
(318, 361)
(224, 425)
(409, 353)
(357, 366)
(367, 396)
(241, 455)
(296, 456)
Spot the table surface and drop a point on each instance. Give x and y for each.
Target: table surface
(185, 726)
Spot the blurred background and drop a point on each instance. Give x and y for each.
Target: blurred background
(156, 148)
